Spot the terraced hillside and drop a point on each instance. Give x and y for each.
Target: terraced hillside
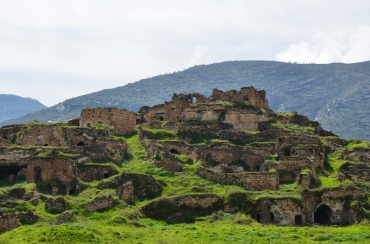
(197, 169)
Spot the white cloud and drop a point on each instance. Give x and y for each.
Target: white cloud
(101, 44)
(346, 45)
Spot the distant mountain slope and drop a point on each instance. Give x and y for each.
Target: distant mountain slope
(12, 106)
(337, 95)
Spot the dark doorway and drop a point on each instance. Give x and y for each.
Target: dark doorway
(174, 151)
(298, 220)
(322, 215)
(161, 119)
(81, 144)
(106, 175)
(37, 174)
(258, 218)
(222, 116)
(6, 171)
(272, 217)
(287, 152)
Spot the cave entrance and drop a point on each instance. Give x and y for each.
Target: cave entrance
(272, 216)
(298, 220)
(258, 218)
(81, 144)
(37, 174)
(174, 151)
(6, 171)
(323, 215)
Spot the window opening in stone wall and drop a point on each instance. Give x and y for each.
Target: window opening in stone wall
(323, 215)
(287, 152)
(298, 220)
(161, 119)
(72, 191)
(272, 217)
(45, 145)
(80, 144)
(37, 174)
(258, 218)
(222, 116)
(106, 175)
(174, 151)
(88, 125)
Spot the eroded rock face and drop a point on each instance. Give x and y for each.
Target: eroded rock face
(99, 203)
(16, 193)
(126, 192)
(175, 208)
(144, 185)
(56, 205)
(9, 221)
(64, 217)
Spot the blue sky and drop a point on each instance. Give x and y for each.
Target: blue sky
(53, 50)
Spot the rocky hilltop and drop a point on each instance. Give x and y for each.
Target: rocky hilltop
(190, 159)
(333, 94)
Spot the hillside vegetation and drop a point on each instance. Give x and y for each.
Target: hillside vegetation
(335, 94)
(102, 210)
(12, 106)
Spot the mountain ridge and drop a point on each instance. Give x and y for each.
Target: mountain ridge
(334, 94)
(13, 106)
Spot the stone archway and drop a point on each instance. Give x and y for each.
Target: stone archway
(174, 151)
(323, 215)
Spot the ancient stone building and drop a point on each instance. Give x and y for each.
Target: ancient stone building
(50, 168)
(122, 120)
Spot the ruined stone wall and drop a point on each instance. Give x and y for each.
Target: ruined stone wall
(11, 157)
(240, 119)
(175, 207)
(226, 178)
(90, 173)
(361, 155)
(177, 146)
(261, 181)
(341, 193)
(42, 135)
(169, 162)
(248, 95)
(360, 170)
(50, 168)
(231, 156)
(251, 181)
(122, 120)
(294, 163)
(284, 211)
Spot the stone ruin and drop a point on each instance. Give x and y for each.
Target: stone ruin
(241, 148)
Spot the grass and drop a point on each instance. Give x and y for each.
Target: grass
(116, 227)
(357, 144)
(125, 224)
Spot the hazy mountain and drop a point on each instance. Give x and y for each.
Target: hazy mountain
(337, 95)
(12, 106)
